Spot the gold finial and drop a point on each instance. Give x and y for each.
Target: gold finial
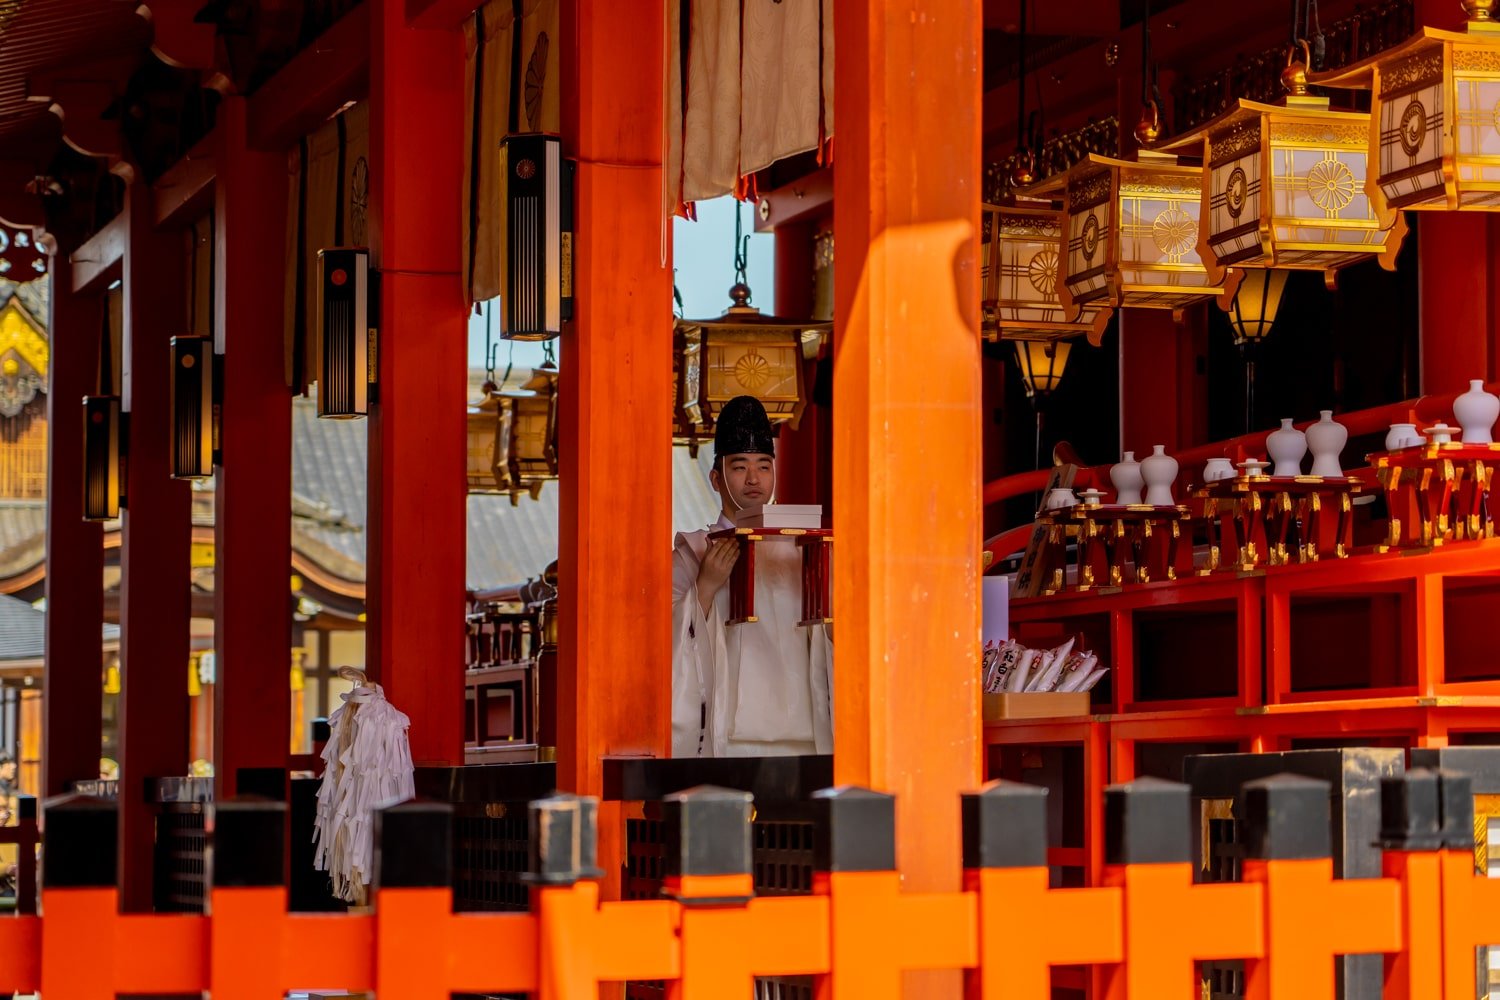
(1294, 77)
(1480, 10)
(1148, 129)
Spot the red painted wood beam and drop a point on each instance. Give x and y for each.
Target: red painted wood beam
(906, 450)
(614, 673)
(806, 198)
(443, 15)
(253, 483)
(186, 191)
(177, 38)
(329, 73)
(75, 548)
(418, 525)
(156, 535)
(98, 261)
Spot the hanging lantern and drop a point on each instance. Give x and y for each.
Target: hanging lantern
(1434, 131)
(347, 305)
(1252, 309)
(489, 426)
(103, 471)
(537, 208)
(1042, 362)
(194, 428)
(1284, 185)
(742, 353)
(529, 442)
(1019, 269)
(1131, 236)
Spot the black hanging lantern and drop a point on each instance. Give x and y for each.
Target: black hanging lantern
(537, 219)
(347, 309)
(193, 409)
(103, 465)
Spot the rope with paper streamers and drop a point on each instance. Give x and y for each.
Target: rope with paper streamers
(367, 764)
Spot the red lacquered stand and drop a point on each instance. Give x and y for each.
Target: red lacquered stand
(1437, 492)
(1276, 519)
(816, 558)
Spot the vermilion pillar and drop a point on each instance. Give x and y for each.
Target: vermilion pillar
(252, 503)
(906, 449)
(415, 573)
(614, 677)
(1163, 394)
(71, 681)
(156, 540)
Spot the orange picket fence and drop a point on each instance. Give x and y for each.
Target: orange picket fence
(1142, 932)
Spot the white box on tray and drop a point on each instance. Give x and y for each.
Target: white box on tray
(781, 515)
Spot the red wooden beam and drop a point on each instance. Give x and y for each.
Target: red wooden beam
(443, 15)
(99, 260)
(186, 190)
(415, 641)
(253, 483)
(156, 531)
(75, 548)
(804, 199)
(321, 79)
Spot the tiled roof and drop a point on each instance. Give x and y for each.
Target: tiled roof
(23, 627)
(508, 543)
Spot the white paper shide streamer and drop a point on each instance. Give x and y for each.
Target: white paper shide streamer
(367, 764)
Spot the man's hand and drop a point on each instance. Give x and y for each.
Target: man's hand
(718, 562)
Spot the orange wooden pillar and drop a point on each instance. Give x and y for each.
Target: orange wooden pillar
(1453, 274)
(252, 504)
(804, 469)
(614, 669)
(415, 572)
(75, 548)
(156, 541)
(907, 446)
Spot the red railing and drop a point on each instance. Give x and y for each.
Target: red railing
(1421, 410)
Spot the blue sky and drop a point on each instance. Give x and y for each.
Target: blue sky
(703, 254)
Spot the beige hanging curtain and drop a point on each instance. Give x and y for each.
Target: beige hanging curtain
(749, 82)
(511, 75)
(328, 200)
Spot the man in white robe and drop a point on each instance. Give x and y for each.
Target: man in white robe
(761, 688)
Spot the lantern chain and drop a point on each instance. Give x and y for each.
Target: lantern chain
(741, 250)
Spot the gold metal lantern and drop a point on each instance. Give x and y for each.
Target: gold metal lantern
(1434, 130)
(1284, 186)
(489, 426)
(1021, 256)
(1130, 236)
(744, 352)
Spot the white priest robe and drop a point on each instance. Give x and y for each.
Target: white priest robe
(754, 690)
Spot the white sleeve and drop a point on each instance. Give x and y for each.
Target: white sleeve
(692, 658)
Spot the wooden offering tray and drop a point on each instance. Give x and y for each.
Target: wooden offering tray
(1276, 518)
(1035, 705)
(1437, 492)
(1123, 531)
(816, 560)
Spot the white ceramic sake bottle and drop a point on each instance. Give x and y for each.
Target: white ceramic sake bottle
(1326, 440)
(1477, 411)
(1159, 470)
(1286, 447)
(1216, 469)
(1126, 477)
(1402, 436)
